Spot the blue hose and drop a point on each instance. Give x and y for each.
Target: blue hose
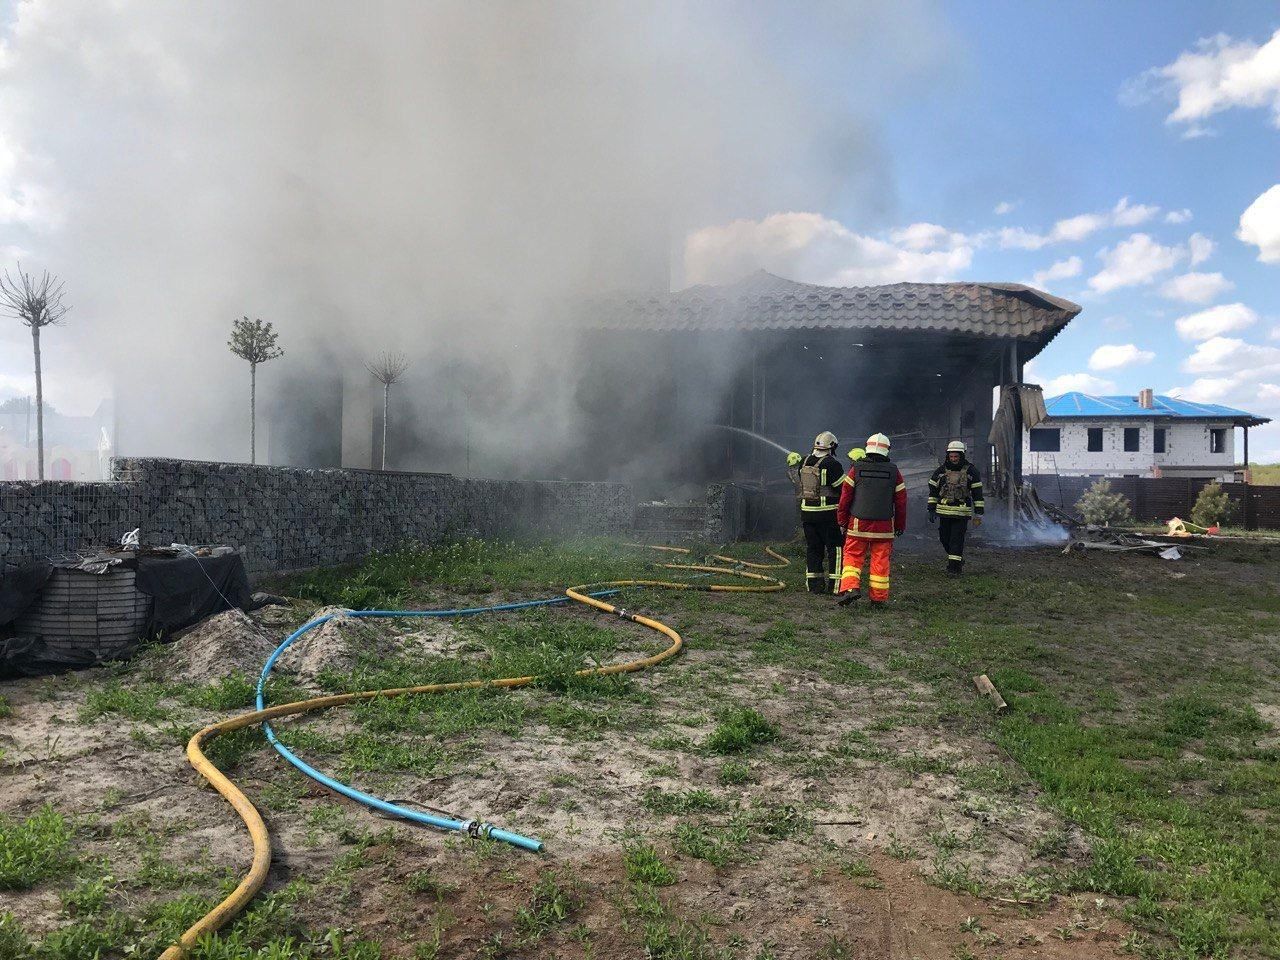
(471, 827)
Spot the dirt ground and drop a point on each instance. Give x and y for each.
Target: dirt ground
(880, 820)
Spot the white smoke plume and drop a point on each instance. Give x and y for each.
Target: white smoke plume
(434, 178)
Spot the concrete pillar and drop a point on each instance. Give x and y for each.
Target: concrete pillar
(357, 418)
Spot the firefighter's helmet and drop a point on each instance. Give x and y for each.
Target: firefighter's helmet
(856, 454)
(878, 443)
(957, 446)
(825, 442)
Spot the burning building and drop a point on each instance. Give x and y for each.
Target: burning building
(784, 360)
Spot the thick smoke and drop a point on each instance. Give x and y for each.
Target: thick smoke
(436, 178)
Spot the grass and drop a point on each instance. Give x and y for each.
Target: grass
(1115, 772)
(554, 901)
(1134, 719)
(645, 866)
(34, 850)
(1265, 474)
(740, 729)
(402, 578)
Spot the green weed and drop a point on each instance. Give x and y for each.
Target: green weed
(553, 901)
(680, 804)
(740, 729)
(643, 865)
(34, 850)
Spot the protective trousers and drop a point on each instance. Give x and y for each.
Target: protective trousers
(951, 531)
(860, 553)
(822, 552)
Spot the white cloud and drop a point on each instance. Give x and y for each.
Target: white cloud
(1178, 216)
(1231, 355)
(1019, 238)
(1073, 382)
(1260, 225)
(1196, 287)
(812, 248)
(1126, 214)
(1137, 260)
(1200, 247)
(1225, 318)
(1242, 375)
(927, 236)
(1004, 207)
(1114, 356)
(1077, 228)
(1219, 74)
(1059, 270)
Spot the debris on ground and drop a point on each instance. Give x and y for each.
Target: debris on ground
(988, 690)
(1185, 528)
(1118, 541)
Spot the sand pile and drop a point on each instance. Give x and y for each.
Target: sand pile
(226, 643)
(334, 645)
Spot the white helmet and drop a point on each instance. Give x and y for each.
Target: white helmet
(957, 446)
(825, 442)
(878, 443)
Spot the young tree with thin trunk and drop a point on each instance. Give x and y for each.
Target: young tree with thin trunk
(254, 341)
(37, 302)
(387, 369)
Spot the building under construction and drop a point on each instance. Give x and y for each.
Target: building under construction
(782, 359)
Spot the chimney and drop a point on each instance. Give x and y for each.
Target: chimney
(1146, 398)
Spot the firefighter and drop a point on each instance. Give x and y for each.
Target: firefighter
(817, 478)
(955, 495)
(872, 512)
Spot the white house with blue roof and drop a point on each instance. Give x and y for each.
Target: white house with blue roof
(1138, 436)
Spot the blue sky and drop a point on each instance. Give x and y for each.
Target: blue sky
(998, 141)
(1040, 113)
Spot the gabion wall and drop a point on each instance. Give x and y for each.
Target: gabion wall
(286, 519)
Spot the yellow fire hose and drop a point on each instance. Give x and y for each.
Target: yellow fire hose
(252, 882)
(782, 561)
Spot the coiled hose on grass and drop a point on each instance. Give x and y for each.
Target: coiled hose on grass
(589, 594)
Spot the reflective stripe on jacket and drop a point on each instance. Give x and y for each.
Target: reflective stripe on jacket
(972, 505)
(831, 475)
(873, 529)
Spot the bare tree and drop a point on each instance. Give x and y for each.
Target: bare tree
(254, 341)
(37, 302)
(387, 368)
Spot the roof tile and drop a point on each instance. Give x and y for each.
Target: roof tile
(763, 301)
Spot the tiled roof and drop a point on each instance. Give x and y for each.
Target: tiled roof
(763, 301)
(1088, 405)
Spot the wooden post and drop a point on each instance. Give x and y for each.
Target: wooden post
(988, 690)
(1015, 455)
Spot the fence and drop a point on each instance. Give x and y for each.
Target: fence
(1258, 507)
(283, 519)
(53, 518)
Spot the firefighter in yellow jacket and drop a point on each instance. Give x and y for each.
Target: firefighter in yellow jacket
(955, 496)
(817, 478)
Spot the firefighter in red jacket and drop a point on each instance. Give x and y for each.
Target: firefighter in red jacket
(872, 512)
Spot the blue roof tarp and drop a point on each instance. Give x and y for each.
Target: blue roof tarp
(1087, 405)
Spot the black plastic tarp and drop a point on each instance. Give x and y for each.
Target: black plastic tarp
(19, 587)
(183, 591)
